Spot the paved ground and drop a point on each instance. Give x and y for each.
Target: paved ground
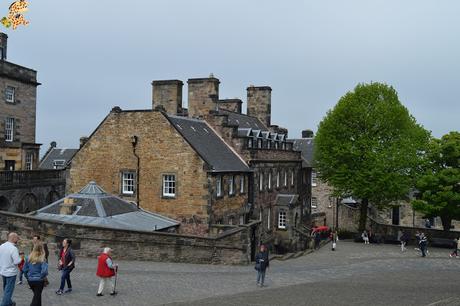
(355, 274)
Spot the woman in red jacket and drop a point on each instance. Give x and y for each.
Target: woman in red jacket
(105, 271)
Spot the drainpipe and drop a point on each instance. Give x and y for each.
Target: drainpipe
(134, 140)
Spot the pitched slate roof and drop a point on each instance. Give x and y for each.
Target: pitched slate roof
(55, 154)
(98, 208)
(244, 121)
(306, 146)
(286, 199)
(212, 149)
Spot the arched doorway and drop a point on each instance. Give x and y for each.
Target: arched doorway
(4, 203)
(28, 203)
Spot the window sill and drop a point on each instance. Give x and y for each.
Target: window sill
(166, 197)
(131, 195)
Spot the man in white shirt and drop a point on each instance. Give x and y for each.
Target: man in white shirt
(9, 260)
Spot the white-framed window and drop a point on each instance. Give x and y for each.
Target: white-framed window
(58, 163)
(285, 178)
(269, 180)
(314, 202)
(9, 129)
(277, 179)
(276, 145)
(269, 144)
(249, 143)
(282, 219)
(259, 143)
(128, 182)
(169, 185)
(231, 185)
(242, 184)
(10, 93)
(292, 178)
(261, 181)
(29, 160)
(219, 186)
(241, 219)
(283, 146)
(313, 178)
(269, 217)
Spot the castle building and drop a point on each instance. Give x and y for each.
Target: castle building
(18, 100)
(205, 165)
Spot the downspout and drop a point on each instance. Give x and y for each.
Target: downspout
(134, 143)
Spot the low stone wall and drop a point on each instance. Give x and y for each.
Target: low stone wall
(230, 247)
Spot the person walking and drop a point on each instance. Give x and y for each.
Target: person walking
(21, 267)
(423, 244)
(35, 271)
(334, 239)
(105, 271)
(404, 240)
(36, 239)
(262, 263)
(365, 237)
(317, 237)
(66, 265)
(9, 259)
(456, 247)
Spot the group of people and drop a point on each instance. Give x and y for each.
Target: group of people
(34, 268)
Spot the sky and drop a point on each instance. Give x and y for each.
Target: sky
(93, 55)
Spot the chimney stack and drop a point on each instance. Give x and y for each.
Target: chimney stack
(3, 46)
(260, 103)
(307, 134)
(168, 94)
(203, 96)
(233, 105)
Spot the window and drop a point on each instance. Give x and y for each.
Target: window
(261, 181)
(58, 163)
(285, 178)
(292, 178)
(249, 143)
(169, 185)
(242, 219)
(269, 180)
(313, 178)
(282, 219)
(277, 179)
(269, 144)
(283, 146)
(276, 145)
(269, 216)
(314, 202)
(9, 129)
(231, 185)
(259, 143)
(127, 184)
(29, 160)
(10, 94)
(242, 184)
(219, 186)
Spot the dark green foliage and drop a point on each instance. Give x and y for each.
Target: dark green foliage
(370, 147)
(439, 186)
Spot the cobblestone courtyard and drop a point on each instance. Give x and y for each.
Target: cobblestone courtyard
(150, 283)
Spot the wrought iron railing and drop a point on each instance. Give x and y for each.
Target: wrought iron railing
(19, 178)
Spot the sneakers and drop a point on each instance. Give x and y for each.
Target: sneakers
(114, 293)
(59, 292)
(68, 290)
(99, 294)
(19, 283)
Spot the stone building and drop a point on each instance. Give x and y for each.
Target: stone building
(279, 193)
(56, 158)
(205, 165)
(18, 85)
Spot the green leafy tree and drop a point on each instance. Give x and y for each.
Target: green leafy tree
(369, 147)
(439, 186)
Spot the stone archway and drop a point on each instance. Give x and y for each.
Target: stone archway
(52, 197)
(4, 203)
(28, 203)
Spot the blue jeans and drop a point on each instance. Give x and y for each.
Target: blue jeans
(20, 275)
(8, 289)
(65, 277)
(260, 276)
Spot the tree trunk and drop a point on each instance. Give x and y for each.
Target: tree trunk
(363, 214)
(446, 222)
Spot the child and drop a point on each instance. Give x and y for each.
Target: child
(21, 266)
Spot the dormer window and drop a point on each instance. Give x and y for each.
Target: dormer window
(276, 145)
(259, 143)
